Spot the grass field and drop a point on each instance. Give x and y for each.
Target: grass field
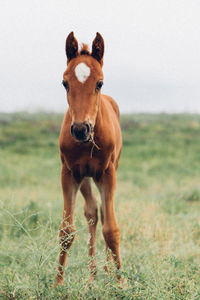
(157, 206)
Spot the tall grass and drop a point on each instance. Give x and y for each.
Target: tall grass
(157, 204)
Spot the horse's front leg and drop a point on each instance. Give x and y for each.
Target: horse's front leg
(67, 228)
(111, 232)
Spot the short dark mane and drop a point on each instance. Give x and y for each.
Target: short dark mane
(84, 50)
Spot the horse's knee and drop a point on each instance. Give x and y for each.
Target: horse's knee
(112, 238)
(66, 235)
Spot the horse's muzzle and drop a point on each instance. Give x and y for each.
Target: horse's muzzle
(81, 131)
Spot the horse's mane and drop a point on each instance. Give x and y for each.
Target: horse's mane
(84, 50)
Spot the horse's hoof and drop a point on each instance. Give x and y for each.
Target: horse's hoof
(91, 280)
(59, 281)
(122, 283)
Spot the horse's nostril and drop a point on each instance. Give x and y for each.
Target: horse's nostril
(87, 128)
(72, 129)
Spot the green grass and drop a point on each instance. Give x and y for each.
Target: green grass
(157, 206)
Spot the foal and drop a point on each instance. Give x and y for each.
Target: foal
(90, 146)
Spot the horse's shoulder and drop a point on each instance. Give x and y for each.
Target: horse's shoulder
(113, 103)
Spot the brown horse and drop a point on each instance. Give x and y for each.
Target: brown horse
(90, 146)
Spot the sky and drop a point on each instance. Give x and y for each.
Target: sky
(151, 60)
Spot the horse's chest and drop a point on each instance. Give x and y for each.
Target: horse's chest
(86, 166)
(87, 169)
(86, 162)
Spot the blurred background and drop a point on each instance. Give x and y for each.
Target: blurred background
(152, 52)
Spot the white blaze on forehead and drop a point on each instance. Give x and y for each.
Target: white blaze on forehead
(82, 72)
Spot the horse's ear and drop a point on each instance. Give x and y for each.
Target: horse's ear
(71, 47)
(98, 48)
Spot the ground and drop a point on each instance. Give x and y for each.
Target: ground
(157, 205)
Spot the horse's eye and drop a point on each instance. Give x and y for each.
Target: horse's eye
(99, 85)
(66, 85)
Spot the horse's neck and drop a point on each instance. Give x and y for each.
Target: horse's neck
(99, 119)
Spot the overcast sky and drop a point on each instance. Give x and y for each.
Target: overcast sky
(152, 52)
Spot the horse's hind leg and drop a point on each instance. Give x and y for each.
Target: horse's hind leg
(90, 210)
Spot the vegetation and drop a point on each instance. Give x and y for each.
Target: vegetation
(157, 205)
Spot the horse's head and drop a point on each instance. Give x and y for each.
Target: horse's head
(83, 80)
